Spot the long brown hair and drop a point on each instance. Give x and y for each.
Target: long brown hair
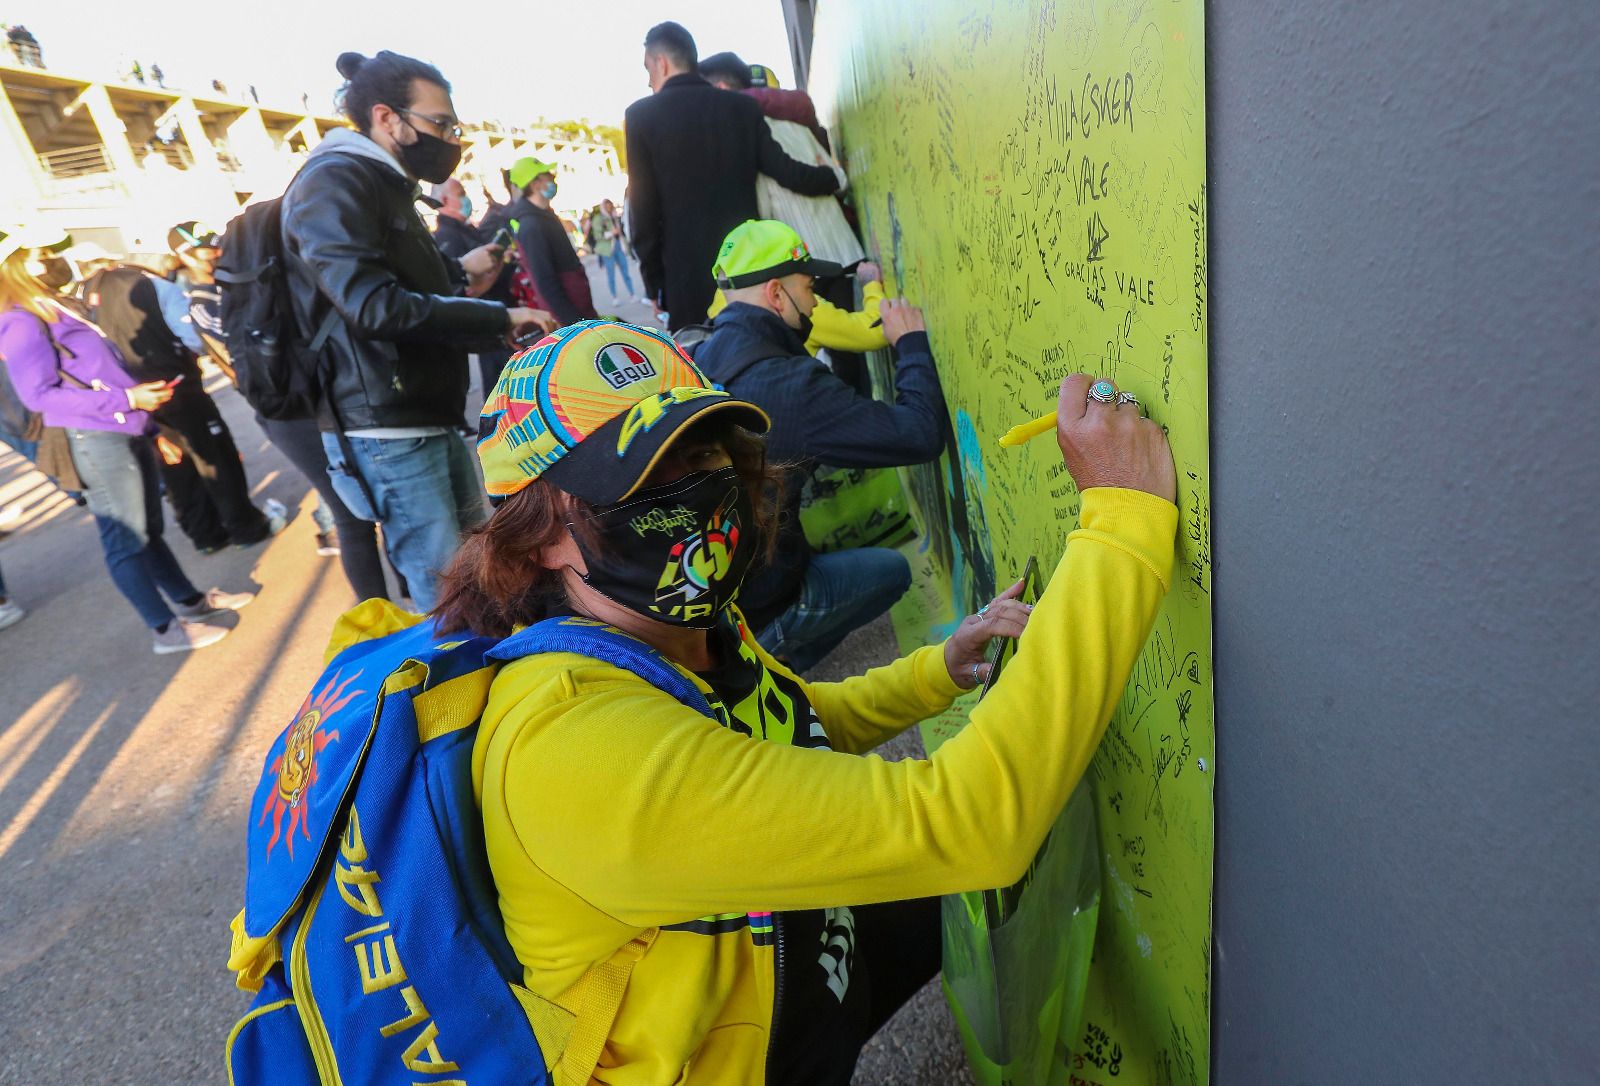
(497, 582)
(19, 287)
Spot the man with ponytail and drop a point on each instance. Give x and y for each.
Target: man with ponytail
(393, 368)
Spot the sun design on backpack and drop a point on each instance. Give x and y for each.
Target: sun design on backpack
(296, 767)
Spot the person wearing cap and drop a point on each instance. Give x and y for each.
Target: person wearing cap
(803, 604)
(69, 371)
(693, 156)
(745, 899)
(552, 264)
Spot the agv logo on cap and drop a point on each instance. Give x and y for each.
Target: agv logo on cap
(621, 365)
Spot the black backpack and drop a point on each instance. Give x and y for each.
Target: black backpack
(275, 369)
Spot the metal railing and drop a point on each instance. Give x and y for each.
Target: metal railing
(76, 162)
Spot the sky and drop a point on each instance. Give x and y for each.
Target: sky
(514, 62)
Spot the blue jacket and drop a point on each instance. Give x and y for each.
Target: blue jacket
(816, 419)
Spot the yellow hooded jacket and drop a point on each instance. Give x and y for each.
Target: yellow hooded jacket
(615, 817)
(855, 330)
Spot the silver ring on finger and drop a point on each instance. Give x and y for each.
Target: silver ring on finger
(975, 679)
(1127, 397)
(984, 610)
(1103, 391)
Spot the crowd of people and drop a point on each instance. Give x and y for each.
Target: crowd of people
(646, 480)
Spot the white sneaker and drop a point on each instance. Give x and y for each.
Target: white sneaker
(327, 544)
(10, 614)
(183, 635)
(213, 602)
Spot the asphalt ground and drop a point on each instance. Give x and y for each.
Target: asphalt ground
(125, 778)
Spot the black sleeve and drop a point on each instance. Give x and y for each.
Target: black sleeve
(534, 238)
(334, 232)
(849, 430)
(791, 173)
(644, 209)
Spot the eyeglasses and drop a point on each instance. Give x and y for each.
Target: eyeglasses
(446, 125)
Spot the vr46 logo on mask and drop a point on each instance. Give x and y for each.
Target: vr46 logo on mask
(621, 365)
(698, 568)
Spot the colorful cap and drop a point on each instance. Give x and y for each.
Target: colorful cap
(592, 407)
(192, 235)
(524, 170)
(760, 249)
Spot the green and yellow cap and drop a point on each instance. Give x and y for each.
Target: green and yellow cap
(524, 170)
(592, 407)
(760, 249)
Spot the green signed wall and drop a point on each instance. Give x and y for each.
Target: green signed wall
(1033, 175)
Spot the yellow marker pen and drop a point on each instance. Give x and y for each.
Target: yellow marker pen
(1027, 431)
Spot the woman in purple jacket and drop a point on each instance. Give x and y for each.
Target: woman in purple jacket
(67, 371)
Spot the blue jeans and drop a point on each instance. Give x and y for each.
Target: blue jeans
(28, 449)
(426, 494)
(842, 591)
(617, 261)
(120, 480)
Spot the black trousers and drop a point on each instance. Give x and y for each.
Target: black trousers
(894, 950)
(211, 468)
(301, 444)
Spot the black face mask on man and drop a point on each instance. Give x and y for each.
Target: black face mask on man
(805, 318)
(675, 553)
(429, 158)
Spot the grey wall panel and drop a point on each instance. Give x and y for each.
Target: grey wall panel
(1405, 293)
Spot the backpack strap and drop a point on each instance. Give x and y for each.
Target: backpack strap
(599, 999)
(600, 992)
(587, 637)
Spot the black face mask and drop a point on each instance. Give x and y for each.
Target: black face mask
(430, 158)
(675, 553)
(805, 318)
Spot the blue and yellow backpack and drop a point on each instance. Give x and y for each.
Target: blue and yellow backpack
(371, 932)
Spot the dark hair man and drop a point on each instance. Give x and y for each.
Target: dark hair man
(729, 72)
(553, 266)
(693, 156)
(394, 367)
(803, 604)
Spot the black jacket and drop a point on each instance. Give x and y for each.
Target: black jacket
(456, 239)
(355, 242)
(816, 419)
(693, 155)
(551, 262)
(124, 305)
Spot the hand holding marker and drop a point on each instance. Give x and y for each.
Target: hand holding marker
(1102, 391)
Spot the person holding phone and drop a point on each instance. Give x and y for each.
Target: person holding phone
(65, 368)
(393, 364)
(456, 235)
(146, 318)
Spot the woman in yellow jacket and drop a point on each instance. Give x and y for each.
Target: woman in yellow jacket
(745, 899)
